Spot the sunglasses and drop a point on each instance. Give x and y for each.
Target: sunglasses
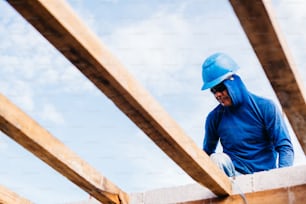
(218, 88)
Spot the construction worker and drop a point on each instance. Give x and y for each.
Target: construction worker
(250, 128)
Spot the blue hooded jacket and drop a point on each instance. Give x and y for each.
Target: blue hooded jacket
(251, 131)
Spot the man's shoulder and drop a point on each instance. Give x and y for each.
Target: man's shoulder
(216, 112)
(262, 100)
(265, 105)
(214, 116)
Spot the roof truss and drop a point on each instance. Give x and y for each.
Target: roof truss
(56, 21)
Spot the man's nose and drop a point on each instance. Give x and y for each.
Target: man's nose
(218, 94)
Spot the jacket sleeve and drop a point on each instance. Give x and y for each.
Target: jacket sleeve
(211, 137)
(279, 135)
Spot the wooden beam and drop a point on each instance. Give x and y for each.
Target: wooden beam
(40, 142)
(9, 197)
(290, 195)
(56, 21)
(258, 22)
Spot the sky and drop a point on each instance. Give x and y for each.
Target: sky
(163, 45)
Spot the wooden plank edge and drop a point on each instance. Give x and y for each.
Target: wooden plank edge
(26, 132)
(8, 197)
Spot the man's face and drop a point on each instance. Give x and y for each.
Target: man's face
(221, 94)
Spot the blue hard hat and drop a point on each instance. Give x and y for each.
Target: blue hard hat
(217, 68)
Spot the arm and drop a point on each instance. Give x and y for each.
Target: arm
(278, 133)
(211, 137)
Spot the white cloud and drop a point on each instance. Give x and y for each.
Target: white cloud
(26, 55)
(165, 51)
(291, 9)
(152, 50)
(19, 92)
(49, 113)
(291, 18)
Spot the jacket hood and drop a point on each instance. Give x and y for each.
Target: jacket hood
(237, 90)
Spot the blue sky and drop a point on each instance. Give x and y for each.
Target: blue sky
(163, 44)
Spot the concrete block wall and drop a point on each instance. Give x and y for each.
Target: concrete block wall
(261, 181)
(266, 180)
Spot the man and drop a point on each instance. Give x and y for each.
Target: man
(250, 128)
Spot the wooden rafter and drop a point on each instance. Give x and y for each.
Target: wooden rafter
(37, 140)
(258, 22)
(8, 197)
(56, 21)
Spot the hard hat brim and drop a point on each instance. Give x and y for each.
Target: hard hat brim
(216, 81)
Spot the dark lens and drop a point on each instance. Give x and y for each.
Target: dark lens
(218, 88)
